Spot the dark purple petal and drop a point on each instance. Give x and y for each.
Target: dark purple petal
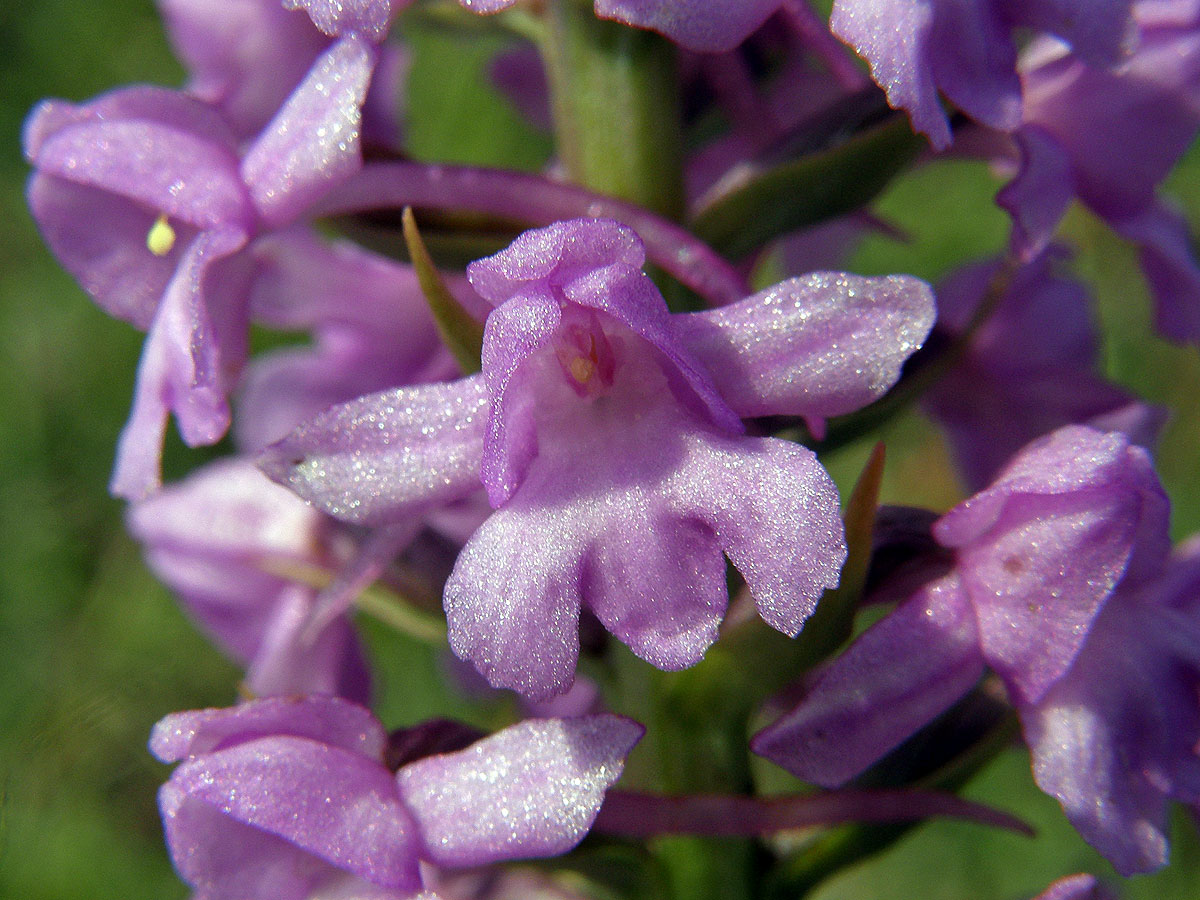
(337, 805)
(313, 142)
(1040, 193)
(381, 457)
(1099, 31)
(1042, 548)
(1165, 244)
(823, 345)
(706, 26)
(330, 720)
(896, 677)
(531, 790)
(974, 62)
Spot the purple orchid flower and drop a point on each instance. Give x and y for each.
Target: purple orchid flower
(143, 197)
(1081, 126)
(370, 322)
(1061, 586)
(608, 434)
(965, 49)
(289, 799)
(246, 56)
(220, 540)
(1030, 368)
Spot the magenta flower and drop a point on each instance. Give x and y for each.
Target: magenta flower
(290, 799)
(1038, 553)
(608, 435)
(219, 540)
(965, 49)
(143, 197)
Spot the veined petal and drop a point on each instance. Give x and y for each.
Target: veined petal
(896, 677)
(823, 345)
(531, 790)
(377, 459)
(313, 142)
(337, 805)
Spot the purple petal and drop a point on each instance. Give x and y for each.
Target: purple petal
(369, 18)
(818, 346)
(313, 142)
(1116, 737)
(1040, 193)
(327, 719)
(335, 804)
(186, 365)
(379, 458)
(188, 175)
(1100, 31)
(896, 677)
(1165, 244)
(1042, 548)
(1076, 887)
(244, 56)
(110, 262)
(514, 332)
(706, 26)
(894, 38)
(531, 790)
(974, 62)
(514, 614)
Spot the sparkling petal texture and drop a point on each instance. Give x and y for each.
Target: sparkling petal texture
(338, 17)
(339, 723)
(1116, 738)
(706, 26)
(1076, 887)
(379, 458)
(313, 142)
(531, 790)
(1042, 548)
(337, 805)
(896, 677)
(823, 345)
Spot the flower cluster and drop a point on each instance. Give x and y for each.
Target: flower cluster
(613, 422)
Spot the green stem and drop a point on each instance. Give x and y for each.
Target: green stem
(615, 96)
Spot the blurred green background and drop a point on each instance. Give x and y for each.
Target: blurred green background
(93, 651)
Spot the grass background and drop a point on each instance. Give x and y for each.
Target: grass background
(93, 651)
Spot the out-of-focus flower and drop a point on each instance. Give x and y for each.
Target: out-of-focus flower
(1081, 126)
(290, 799)
(1030, 368)
(965, 49)
(608, 432)
(220, 540)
